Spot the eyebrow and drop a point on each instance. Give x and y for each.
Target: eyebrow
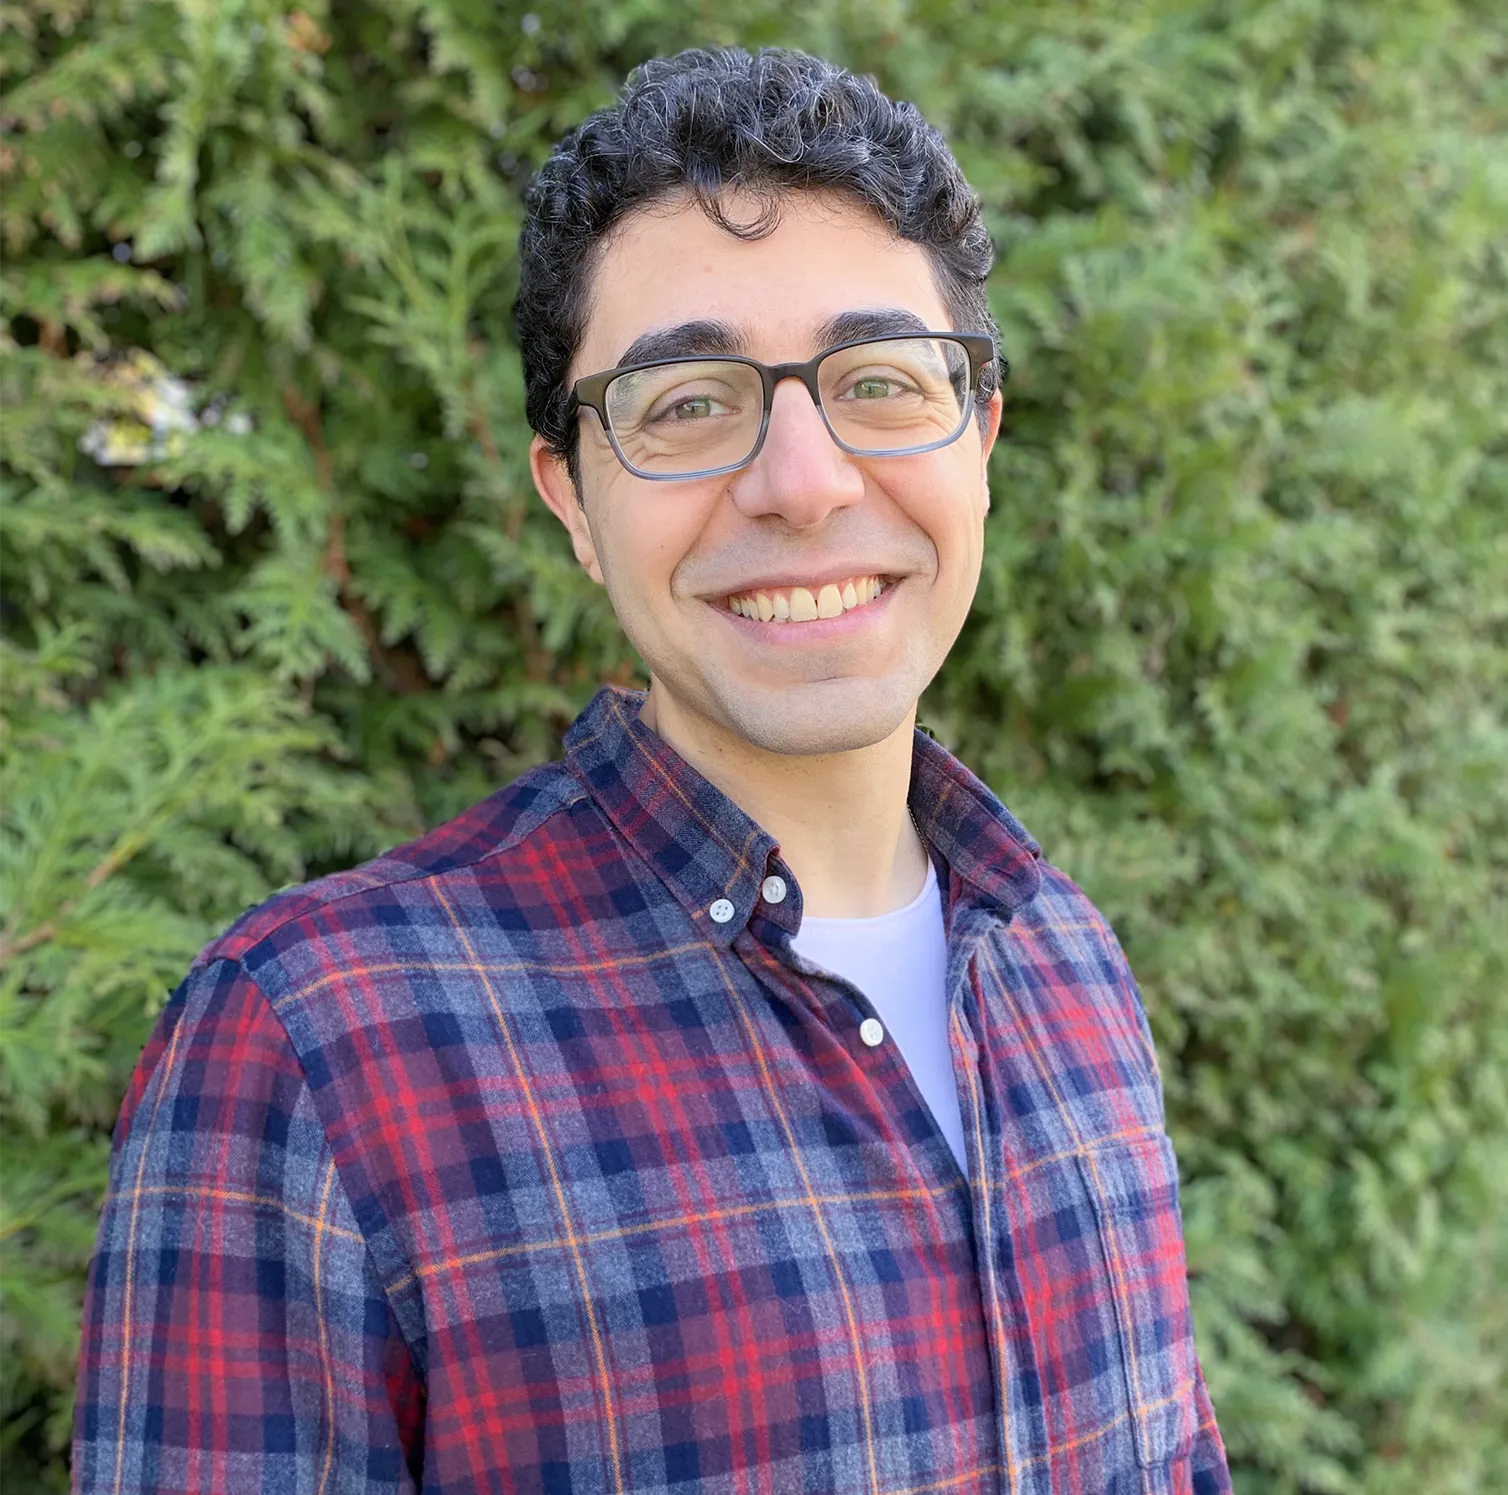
(877, 321)
(684, 340)
(709, 337)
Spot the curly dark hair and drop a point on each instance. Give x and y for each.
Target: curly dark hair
(705, 121)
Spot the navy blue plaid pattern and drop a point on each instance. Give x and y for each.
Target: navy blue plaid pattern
(500, 1164)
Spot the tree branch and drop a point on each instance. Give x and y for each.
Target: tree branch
(538, 665)
(19, 945)
(399, 672)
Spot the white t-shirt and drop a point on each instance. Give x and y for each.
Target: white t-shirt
(900, 962)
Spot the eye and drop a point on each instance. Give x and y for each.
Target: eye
(876, 384)
(681, 407)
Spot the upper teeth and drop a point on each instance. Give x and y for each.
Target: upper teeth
(802, 604)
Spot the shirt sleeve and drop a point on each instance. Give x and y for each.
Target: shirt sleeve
(1210, 1471)
(236, 1335)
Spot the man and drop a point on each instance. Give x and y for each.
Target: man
(742, 1103)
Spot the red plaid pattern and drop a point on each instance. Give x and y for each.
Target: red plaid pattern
(499, 1164)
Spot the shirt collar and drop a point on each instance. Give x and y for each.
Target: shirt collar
(962, 821)
(706, 849)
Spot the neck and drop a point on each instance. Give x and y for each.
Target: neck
(840, 818)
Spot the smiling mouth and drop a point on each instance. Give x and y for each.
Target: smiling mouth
(806, 604)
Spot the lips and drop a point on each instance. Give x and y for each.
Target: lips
(798, 604)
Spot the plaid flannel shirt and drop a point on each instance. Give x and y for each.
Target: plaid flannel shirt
(530, 1158)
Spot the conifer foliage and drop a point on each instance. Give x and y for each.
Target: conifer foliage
(276, 594)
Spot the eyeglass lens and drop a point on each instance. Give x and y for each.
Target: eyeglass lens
(888, 396)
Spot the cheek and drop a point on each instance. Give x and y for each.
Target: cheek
(950, 510)
(958, 535)
(642, 538)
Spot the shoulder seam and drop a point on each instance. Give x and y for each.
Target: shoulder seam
(413, 875)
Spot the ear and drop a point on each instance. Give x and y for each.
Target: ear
(992, 426)
(552, 480)
(991, 431)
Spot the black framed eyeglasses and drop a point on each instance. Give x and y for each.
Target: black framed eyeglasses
(698, 416)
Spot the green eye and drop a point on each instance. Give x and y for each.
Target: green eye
(688, 410)
(871, 389)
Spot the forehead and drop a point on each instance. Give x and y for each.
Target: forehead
(670, 264)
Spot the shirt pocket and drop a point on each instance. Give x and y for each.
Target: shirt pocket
(1132, 1184)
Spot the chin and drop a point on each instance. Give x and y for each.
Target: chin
(838, 716)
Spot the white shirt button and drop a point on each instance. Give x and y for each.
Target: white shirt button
(872, 1031)
(721, 911)
(773, 889)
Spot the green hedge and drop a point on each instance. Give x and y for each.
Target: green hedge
(277, 592)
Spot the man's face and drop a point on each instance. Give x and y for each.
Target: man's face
(678, 558)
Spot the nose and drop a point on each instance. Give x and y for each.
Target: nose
(801, 474)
